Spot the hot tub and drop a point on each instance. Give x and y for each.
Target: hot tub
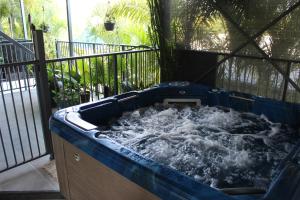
(80, 126)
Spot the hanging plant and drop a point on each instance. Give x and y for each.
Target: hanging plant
(109, 22)
(44, 27)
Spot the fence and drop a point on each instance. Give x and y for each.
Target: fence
(17, 79)
(15, 51)
(87, 48)
(80, 79)
(10, 53)
(21, 135)
(255, 75)
(24, 133)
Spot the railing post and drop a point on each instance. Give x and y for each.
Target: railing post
(94, 48)
(57, 49)
(285, 87)
(42, 88)
(115, 65)
(106, 91)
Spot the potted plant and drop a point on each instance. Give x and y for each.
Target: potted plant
(109, 22)
(67, 93)
(77, 86)
(66, 98)
(44, 27)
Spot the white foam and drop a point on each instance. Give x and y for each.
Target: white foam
(220, 148)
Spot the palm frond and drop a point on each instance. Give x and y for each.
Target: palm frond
(134, 10)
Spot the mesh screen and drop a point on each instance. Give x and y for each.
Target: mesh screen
(292, 94)
(199, 25)
(207, 26)
(252, 76)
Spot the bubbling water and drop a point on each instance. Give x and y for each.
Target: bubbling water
(217, 146)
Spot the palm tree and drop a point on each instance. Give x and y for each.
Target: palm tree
(135, 10)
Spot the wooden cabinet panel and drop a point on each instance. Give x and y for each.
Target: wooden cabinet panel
(58, 148)
(89, 179)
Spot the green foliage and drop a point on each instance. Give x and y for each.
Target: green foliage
(202, 25)
(47, 17)
(160, 38)
(4, 8)
(69, 81)
(89, 75)
(10, 18)
(132, 22)
(135, 10)
(65, 83)
(11, 22)
(109, 18)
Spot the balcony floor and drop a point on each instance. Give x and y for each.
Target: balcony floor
(14, 130)
(38, 175)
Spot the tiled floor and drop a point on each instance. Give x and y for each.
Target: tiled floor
(38, 175)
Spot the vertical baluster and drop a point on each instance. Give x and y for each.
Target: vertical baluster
(32, 112)
(12, 142)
